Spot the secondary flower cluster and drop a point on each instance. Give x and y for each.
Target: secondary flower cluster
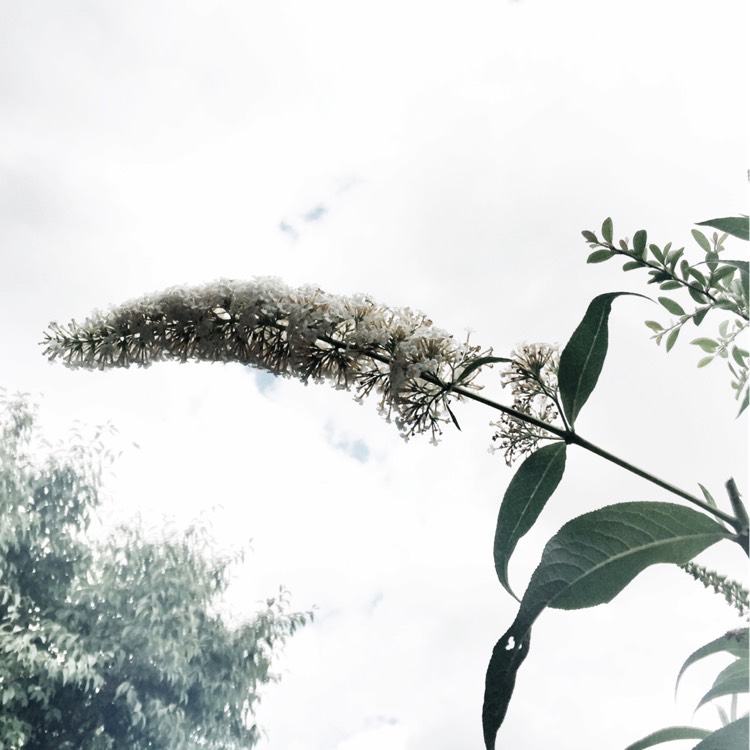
(532, 376)
(302, 333)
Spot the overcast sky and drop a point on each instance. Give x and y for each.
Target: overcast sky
(439, 155)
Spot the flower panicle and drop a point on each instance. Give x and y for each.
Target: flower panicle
(352, 342)
(531, 375)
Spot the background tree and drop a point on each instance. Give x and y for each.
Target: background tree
(120, 643)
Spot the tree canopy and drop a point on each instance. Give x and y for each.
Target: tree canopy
(117, 643)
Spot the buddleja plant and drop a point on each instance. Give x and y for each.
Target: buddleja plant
(418, 370)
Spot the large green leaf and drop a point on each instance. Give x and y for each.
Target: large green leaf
(732, 680)
(669, 735)
(737, 226)
(588, 562)
(528, 492)
(733, 736)
(734, 642)
(582, 358)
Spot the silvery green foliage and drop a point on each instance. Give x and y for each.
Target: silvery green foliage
(302, 333)
(714, 283)
(114, 644)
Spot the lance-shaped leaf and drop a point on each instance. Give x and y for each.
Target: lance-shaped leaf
(528, 492)
(734, 642)
(737, 226)
(475, 364)
(733, 736)
(588, 562)
(583, 357)
(669, 735)
(732, 680)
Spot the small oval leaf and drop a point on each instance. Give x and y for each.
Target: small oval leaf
(639, 243)
(582, 359)
(672, 338)
(527, 494)
(701, 239)
(599, 256)
(671, 306)
(607, 230)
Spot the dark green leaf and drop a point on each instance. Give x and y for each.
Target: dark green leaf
(583, 357)
(697, 275)
(639, 243)
(671, 305)
(668, 735)
(631, 265)
(672, 257)
(656, 252)
(507, 656)
(733, 736)
(699, 297)
(607, 230)
(589, 236)
(733, 679)
(684, 268)
(599, 256)
(670, 284)
(734, 642)
(709, 498)
(701, 239)
(528, 492)
(699, 314)
(672, 338)
(737, 226)
(745, 402)
(477, 363)
(739, 355)
(588, 562)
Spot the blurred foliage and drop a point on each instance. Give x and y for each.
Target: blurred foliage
(117, 644)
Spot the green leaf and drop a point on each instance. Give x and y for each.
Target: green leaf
(477, 363)
(654, 326)
(709, 498)
(588, 562)
(671, 306)
(722, 272)
(708, 345)
(656, 252)
(745, 402)
(528, 492)
(607, 230)
(733, 679)
(599, 256)
(589, 236)
(697, 296)
(701, 239)
(507, 656)
(631, 265)
(583, 357)
(670, 284)
(639, 243)
(743, 267)
(733, 736)
(734, 642)
(705, 361)
(699, 314)
(668, 735)
(737, 226)
(672, 338)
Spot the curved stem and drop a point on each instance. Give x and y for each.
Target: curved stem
(567, 435)
(573, 438)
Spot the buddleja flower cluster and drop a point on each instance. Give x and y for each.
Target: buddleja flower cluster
(532, 377)
(352, 342)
